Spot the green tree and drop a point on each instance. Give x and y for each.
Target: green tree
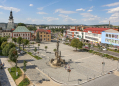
(13, 54)
(21, 24)
(31, 28)
(37, 38)
(35, 50)
(76, 43)
(46, 48)
(7, 48)
(89, 45)
(14, 40)
(54, 50)
(4, 44)
(38, 46)
(19, 41)
(25, 42)
(3, 39)
(24, 68)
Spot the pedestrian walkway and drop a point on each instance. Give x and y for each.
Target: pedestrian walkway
(5, 77)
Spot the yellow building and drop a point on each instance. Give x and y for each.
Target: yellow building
(45, 35)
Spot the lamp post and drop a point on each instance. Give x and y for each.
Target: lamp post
(117, 64)
(69, 70)
(16, 66)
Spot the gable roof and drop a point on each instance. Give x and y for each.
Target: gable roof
(21, 29)
(42, 30)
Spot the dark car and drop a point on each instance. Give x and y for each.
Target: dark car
(22, 52)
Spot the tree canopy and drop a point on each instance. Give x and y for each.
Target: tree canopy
(4, 44)
(76, 43)
(13, 55)
(21, 24)
(7, 48)
(37, 38)
(31, 28)
(14, 39)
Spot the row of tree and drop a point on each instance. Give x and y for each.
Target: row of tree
(20, 41)
(57, 30)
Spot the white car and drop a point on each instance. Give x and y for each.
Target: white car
(104, 49)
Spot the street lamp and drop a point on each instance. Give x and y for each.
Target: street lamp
(16, 65)
(69, 70)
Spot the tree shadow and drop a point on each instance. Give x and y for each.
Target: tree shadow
(21, 61)
(29, 67)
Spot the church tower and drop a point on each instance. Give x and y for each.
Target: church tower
(11, 22)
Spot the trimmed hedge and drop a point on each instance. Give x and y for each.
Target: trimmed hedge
(13, 72)
(34, 56)
(24, 82)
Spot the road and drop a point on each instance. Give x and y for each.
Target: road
(107, 80)
(115, 54)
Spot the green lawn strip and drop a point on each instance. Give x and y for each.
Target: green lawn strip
(24, 82)
(105, 55)
(13, 72)
(34, 56)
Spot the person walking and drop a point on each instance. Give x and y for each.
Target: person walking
(65, 67)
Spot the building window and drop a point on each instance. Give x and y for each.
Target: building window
(44, 35)
(116, 36)
(106, 35)
(26, 34)
(48, 38)
(44, 38)
(40, 35)
(110, 35)
(41, 32)
(48, 35)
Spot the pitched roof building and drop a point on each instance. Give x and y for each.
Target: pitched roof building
(45, 35)
(23, 32)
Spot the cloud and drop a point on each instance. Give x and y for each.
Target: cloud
(91, 7)
(67, 18)
(90, 17)
(1, 12)
(112, 4)
(81, 9)
(10, 8)
(31, 5)
(41, 8)
(33, 20)
(50, 19)
(63, 11)
(113, 10)
(41, 13)
(113, 18)
(89, 10)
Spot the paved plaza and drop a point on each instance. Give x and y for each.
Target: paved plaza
(84, 66)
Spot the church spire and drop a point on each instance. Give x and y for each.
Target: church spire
(11, 17)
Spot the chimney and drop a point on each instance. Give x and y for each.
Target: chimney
(109, 24)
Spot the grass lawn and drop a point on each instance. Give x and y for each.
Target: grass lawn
(34, 56)
(24, 82)
(13, 72)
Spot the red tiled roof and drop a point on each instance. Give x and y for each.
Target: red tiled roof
(96, 30)
(42, 30)
(49, 31)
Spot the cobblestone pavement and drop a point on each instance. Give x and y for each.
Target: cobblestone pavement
(34, 75)
(5, 77)
(84, 66)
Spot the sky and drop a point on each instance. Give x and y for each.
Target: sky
(88, 12)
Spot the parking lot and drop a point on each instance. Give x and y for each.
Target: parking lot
(84, 65)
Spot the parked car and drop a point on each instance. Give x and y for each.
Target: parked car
(22, 52)
(104, 49)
